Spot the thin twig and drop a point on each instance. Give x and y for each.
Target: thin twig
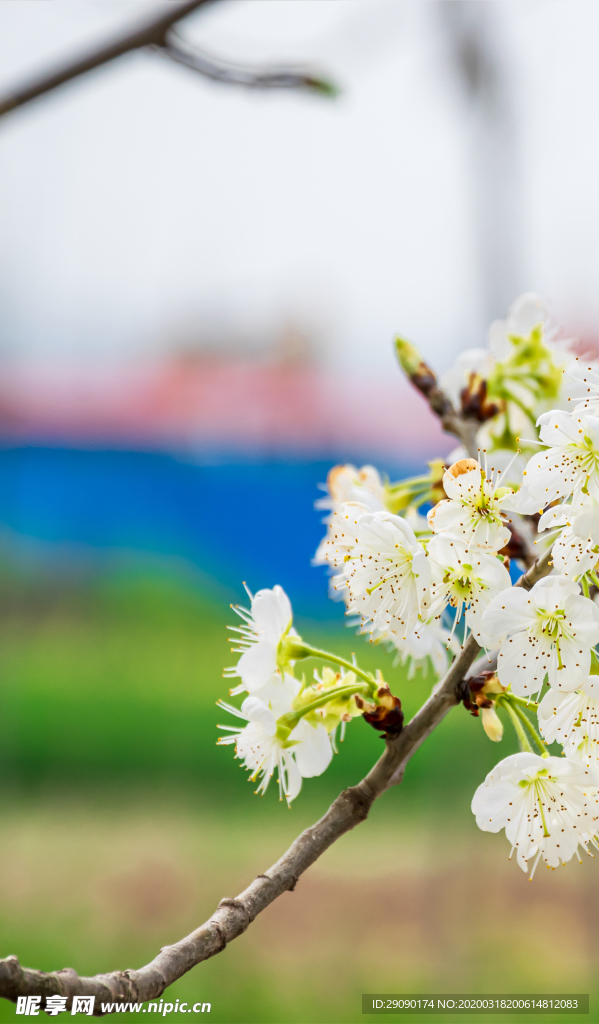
(425, 381)
(243, 75)
(233, 916)
(156, 35)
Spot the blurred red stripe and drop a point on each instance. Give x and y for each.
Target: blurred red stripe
(230, 404)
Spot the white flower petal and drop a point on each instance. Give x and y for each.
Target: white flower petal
(523, 663)
(256, 711)
(509, 612)
(313, 752)
(257, 665)
(271, 612)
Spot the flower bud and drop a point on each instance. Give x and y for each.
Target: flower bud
(414, 366)
(385, 697)
(291, 648)
(485, 682)
(285, 726)
(492, 684)
(437, 468)
(387, 716)
(475, 402)
(409, 357)
(416, 490)
(339, 707)
(492, 724)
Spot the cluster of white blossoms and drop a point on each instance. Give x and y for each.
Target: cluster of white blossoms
(399, 578)
(424, 563)
(290, 726)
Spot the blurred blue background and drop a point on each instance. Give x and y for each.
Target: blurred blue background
(231, 522)
(73, 509)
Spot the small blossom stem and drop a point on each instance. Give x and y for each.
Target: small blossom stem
(522, 701)
(291, 719)
(531, 729)
(313, 652)
(539, 794)
(515, 720)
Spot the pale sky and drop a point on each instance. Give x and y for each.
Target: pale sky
(144, 202)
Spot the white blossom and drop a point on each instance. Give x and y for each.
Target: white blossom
(509, 465)
(429, 643)
(265, 626)
(570, 464)
(346, 483)
(576, 550)
(466, 579)
(522, 502)
(472, 362)
(584, 378)
(473, 509)
(573, 720)
(526, 312)
(548, 807)
(340, 540)
(306, 752)
(386, 572)
(547, 631)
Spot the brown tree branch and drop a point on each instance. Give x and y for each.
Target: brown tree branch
(233, 916)
(155, 34)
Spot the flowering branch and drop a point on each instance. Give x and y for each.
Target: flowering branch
(233, 916)
(463, 425)
(405, 578)
(480, 400)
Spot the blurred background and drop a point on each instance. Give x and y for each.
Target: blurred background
(199, 289)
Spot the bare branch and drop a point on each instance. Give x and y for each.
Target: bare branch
(155, 34)
(233, 916)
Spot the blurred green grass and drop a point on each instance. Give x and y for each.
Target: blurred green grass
(122, 824)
